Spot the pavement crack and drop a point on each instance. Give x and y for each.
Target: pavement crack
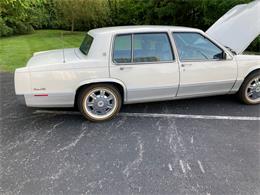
(201, 167)
(59, 173)
(72, 144)
(170, 166)
(182, 167)
(121, 122)
(191, 140)
(57, 124)
(134, 165)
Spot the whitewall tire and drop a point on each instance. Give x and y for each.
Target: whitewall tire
(99, 102)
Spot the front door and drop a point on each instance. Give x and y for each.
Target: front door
(205, 68)
(145, 63)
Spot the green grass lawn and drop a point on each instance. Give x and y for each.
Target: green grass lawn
(16, 50)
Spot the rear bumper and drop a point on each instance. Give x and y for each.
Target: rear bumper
(22, 81)
(64, 100)
(49, 101)
(25, 96)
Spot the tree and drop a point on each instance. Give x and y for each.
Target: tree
(17, 16)
(91, 13)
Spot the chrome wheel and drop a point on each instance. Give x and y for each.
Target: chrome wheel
(100, 103)
(253, 90)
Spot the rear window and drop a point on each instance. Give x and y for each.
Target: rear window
(122, 49)
(85, 45)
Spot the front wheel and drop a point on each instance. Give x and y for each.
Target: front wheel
(99, 102)
(249, 92)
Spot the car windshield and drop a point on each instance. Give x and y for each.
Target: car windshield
(85, 45)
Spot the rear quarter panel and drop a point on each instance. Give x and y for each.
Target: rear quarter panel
(65, 80)
(60, 84)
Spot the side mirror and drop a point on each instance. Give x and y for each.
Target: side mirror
(224, 55)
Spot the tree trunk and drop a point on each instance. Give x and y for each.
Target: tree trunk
(72, 25)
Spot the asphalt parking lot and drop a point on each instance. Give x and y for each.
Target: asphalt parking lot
(197, 146)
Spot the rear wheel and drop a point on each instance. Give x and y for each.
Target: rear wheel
(99, 102)
(249, 92)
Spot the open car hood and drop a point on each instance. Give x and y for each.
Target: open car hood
(238, 27)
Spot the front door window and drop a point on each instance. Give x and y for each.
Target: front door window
(195, 47)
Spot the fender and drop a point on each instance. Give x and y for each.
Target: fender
(103, 80)
(251, 69)
(241, 78)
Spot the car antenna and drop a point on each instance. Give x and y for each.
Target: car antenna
(62, 39)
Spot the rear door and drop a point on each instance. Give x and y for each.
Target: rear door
(146, 64)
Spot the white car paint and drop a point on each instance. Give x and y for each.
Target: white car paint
(142, 80)
(52, 78)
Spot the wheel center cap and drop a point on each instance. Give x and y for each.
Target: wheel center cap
(100, 104)
(257, 89)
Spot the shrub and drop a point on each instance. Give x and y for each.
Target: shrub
(4, 29)
(21, 28)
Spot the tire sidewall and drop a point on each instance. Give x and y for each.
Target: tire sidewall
(244, 87)
(86, 91)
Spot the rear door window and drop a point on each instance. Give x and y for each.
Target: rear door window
(152, 47)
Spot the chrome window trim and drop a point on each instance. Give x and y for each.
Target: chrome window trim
(208, 38)
(132, 50)
(212, 60)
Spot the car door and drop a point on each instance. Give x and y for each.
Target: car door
(145, 63)
(205, 67)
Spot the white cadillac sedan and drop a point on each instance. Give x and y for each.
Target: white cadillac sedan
(132, 64)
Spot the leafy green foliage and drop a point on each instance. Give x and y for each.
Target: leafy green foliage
(193, 13)
(15, 15)
(23, 16)
(82, 14)
(4, 29)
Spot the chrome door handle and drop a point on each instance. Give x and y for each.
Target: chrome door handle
(125, 68)
(183, 65)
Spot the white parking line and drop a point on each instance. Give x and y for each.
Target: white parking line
(56, 112)
(156, 115)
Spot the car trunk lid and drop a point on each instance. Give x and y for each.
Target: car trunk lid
(58, 56)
